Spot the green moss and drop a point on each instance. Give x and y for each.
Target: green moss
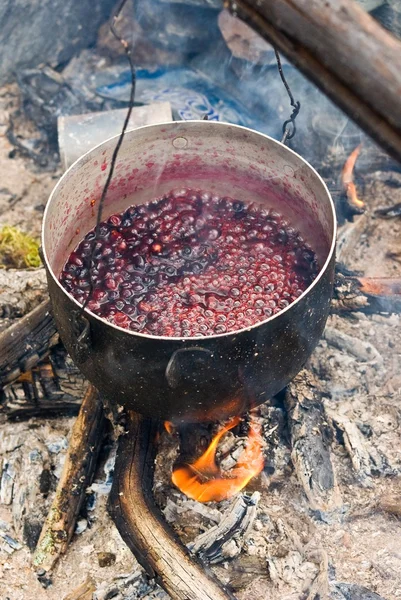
(18, 250)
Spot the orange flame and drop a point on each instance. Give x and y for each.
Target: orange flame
(381, 286)
(169, 427)
(347, 178)
(204, 481)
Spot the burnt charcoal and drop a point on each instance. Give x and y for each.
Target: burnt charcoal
(351, 591)
(389, 212)
(106, 559)
(46, 31)
(31, 532)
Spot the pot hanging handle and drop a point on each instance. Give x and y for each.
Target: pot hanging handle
(289, 128)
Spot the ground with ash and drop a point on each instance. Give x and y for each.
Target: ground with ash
(288, 550)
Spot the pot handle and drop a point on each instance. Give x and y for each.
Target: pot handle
(185, 361)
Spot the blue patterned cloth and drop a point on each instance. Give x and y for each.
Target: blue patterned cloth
(191, 94)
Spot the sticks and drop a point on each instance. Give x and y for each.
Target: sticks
(77, 474)
(141, 525)
(54, 387)
(225, 540)
(310, 440)
(333, 43)
(24, 343)
(366, 294)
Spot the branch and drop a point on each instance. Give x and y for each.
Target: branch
(333, 43)
(141, 525)
(78, 471)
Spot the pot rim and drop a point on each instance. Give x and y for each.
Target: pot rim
(198, 339)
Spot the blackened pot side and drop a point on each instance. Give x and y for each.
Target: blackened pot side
(201, 378)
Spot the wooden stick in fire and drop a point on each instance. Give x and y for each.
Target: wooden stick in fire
(344, 51)
(79, 466)
(25, 342)
(141, 525)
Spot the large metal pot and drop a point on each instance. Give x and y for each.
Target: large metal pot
(205, 378)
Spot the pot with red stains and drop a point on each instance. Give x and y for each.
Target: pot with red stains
(188, 378)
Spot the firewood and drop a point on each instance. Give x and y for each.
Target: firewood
(79, 466)
(225, 540)
(141, 525)
(353, 293)
(25, 342)
(332, 43)
(365, 458)
(55, 387)
(310, 440)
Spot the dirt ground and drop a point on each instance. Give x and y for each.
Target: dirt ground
(289, 547)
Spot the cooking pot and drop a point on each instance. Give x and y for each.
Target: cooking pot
(203, 378)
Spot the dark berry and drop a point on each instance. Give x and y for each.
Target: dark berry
(190, 264)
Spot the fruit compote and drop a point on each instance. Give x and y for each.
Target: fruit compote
(190, 264)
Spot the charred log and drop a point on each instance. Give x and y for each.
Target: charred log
(77, 474)
(54, 387)
(366, 294)
(141, 525)
(310, 440)
(25, 343)
(336, 58)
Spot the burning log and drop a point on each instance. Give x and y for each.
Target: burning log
(54, 387)
(140, 524)
(366, 294)
(310, 440)
(77, 474)
(24, 343)
(338, 58)
(356, 205)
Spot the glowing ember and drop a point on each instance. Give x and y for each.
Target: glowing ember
(169, 427)
(380, 286)
(347, 179)
(204, 481)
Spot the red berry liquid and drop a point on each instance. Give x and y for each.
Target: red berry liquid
(190, 264)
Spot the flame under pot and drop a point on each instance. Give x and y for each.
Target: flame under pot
(191, 379)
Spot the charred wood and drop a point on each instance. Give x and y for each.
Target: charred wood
(54, 387)
(370, 295)
(225, 540)
(79, 466)
(366, 460)
(336, 58)
(141, 525)
(24, 343)
(310, 441)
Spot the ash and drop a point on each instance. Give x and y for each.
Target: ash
(339, 538)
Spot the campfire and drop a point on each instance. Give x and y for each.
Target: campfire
(204, 481)
(242, 446)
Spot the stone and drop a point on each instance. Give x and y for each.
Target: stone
(243, 41)
(106, 559)
(46, 31)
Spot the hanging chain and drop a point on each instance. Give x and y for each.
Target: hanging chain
(128, 53)
(289, 128)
